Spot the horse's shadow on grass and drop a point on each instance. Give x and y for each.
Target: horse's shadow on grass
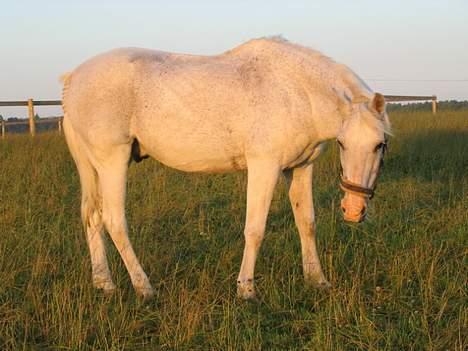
(428, 156)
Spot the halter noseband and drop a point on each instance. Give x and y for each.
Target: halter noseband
(356, 189)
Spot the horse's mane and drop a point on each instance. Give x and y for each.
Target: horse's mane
(354, 84)
(279, 43)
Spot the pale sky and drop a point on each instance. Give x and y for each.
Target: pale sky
(398, 47)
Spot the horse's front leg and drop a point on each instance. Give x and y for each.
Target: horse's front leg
(299, 181)
(262, 179)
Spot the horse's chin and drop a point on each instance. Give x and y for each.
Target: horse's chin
(354, 219)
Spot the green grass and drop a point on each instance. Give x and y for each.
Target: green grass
(399, 279)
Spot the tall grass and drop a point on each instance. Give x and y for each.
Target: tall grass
(399, 279)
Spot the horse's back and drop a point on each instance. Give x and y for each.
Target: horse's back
(200, 113)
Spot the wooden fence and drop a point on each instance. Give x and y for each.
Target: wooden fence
(30, 103)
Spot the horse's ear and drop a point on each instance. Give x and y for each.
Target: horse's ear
(377, 103)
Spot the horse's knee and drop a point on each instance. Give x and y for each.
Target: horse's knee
(307, 227)
(254, 235)
(117, 228)
(91, 213)
(112, 223)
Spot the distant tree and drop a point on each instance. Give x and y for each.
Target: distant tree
(451, 105)
(36, 116)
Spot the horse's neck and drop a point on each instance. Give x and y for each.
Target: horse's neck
(325, 120)
(327, 126)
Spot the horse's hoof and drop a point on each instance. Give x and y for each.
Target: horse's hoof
(246, 293)
(322, 285)
(145, 293)
(247, 296)
(107, 287)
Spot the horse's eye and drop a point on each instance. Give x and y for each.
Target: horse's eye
(341, 144)
(379, 147)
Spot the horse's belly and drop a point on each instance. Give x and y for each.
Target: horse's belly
(193, 153)
(199, 162)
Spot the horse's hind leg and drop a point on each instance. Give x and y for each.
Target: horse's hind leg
(92, 220)
(112, 173)
(91, 213)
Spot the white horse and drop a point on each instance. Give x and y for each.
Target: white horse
(266, 106)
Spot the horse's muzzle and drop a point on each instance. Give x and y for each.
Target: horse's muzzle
(354, 208)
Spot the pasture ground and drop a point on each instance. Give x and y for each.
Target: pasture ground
(399, 279)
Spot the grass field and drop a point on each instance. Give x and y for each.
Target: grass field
(399, 279)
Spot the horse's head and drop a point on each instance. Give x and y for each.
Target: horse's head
(362, 142)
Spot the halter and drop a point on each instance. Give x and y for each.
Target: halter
(357, 189)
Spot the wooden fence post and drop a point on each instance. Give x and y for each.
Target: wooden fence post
(32, 122)
(60, 125)
(3, 129)
(434, 104)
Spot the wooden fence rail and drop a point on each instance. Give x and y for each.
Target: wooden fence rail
(30, 103)
(35, 103)
(397, 98)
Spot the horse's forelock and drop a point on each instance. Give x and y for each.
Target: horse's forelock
(378, 123)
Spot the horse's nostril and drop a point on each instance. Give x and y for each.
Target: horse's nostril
(343, 209)
(363, 211)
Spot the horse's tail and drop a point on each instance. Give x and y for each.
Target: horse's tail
(65, 79)
(90, 192)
